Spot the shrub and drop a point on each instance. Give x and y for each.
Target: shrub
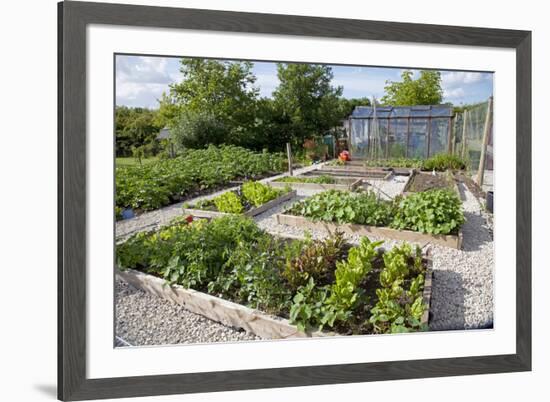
(197, 130)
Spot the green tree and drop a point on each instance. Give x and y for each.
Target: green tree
(134, 127)
(223, 89)
(347, 105)
(425, 90)
(197, 129)
(306, 98)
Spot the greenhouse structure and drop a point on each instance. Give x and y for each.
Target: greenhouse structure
(400, 131)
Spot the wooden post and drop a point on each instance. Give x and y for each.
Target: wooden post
(451, 145)
(486, 132)
(464, 118)
(289, 155)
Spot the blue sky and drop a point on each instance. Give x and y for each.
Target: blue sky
(140, 81)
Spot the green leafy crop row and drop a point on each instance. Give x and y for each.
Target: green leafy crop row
(438, 162)
(158, 184)
(251, 194)
(317, 284)
(323, 179)
(434, 211)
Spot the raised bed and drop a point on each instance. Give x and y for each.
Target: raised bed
(342, 183)
(236, 315)
(451, 241)
(202, 213)
(355, 172)
(424, 181)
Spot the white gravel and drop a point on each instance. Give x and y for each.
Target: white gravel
(462, 291)
(145, 319)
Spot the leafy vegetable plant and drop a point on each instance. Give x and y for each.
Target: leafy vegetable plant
(344, 207)
(433, 211)
(258, 194)
(323, 179)
(228, 202)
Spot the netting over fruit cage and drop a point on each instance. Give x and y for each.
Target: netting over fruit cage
(380, 132)
(469, 127)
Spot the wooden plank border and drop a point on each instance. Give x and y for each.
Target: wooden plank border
(451, 241)
(415, 172)
(238, 316)
(201, 213)
(353, 184)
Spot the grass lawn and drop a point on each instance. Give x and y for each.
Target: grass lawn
(130, 161)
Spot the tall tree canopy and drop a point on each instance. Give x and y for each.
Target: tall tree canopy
(347, 105)
(134, 127)
(306, 98)
(225, 90)
(425, 90)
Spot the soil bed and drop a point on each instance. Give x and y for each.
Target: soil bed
(338, 183)
(421, 181)
(359, 173)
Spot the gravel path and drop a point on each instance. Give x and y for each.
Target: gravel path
(462, 291)
(145, 319)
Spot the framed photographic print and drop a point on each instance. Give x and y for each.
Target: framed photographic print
(255, 201)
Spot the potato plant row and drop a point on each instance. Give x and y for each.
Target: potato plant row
(161, 183)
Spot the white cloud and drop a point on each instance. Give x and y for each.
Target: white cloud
(454, 93)
(267, 82)
(455, 78)
(140, 81)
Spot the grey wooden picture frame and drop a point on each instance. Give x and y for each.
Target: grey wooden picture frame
(73, 17)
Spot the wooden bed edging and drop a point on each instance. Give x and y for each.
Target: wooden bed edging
(217, 309)
(201, 213)
(415, 172)
(354, 171)
(236, 315)
(427, 292)
(452, 241)
(319, 186)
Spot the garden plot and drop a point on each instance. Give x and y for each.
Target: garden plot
(323, 182)
(424, 181)
(462, 288)
(250, 199)
(162, 216)
(243, 277)
(429, 217)
(345, 171)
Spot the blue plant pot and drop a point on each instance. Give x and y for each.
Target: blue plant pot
(128, 213)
